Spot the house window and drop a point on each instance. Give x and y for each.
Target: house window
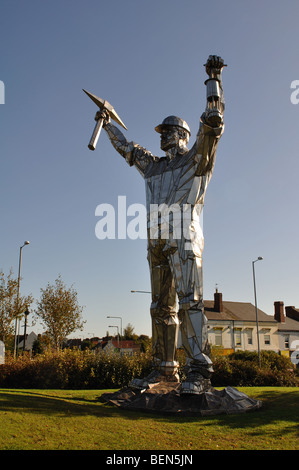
(237, 337)
(287, 342)
(249, 336)
(267, 339)
(218, 336)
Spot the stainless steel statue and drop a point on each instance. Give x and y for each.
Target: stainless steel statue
(177, 181)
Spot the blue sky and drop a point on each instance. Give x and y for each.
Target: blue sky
(146, 58)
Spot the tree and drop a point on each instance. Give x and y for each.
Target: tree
(11, 307)
(145, 343)
(129, 332)
(59, 311)
(40, 345)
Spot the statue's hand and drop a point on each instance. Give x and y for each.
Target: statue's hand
(213, 118)
(103, 114)
(214, 65)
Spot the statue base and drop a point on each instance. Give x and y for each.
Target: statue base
(164, 397)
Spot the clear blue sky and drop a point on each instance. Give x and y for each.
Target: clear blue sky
(146, 58)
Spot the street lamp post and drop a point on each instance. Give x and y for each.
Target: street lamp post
(115, 326)
(257, 323)
(18, 295)
(141, 291)
(26, 313)
(121, 324)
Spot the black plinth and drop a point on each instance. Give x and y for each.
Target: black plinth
(164, 397)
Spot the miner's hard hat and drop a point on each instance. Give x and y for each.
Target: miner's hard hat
(173, 121)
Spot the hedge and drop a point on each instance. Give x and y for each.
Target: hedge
(241, 368)
(74, 369)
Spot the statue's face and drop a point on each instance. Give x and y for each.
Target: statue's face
(169, 138)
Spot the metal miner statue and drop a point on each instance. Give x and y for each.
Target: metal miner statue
(179, 179)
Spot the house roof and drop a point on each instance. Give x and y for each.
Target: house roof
(289, 325)
(243, 311)
(30, 338)
(125, 344)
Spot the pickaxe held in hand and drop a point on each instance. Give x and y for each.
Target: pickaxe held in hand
(104, 106)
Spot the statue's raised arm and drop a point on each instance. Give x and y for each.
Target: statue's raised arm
(215, 98)
(211, 121)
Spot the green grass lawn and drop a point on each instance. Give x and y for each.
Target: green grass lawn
(78, 420)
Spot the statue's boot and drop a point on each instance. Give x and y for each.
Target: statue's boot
(195, 342)
(165, 365)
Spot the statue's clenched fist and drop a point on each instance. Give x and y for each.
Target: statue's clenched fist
(214, 65)
(103, 114)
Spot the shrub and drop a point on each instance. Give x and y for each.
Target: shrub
(74, 369)
(241, 368)
(223, 373)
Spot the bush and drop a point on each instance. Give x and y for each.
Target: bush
(72, 369)
(241, 368)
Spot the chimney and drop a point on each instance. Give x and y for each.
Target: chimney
(292, 312)
(278, 312)
(218, 301)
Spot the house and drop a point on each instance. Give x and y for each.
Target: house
(233, 326)
(30, 338)
(125, 346)
(78, 343)
(287, 327)
(73, 343)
